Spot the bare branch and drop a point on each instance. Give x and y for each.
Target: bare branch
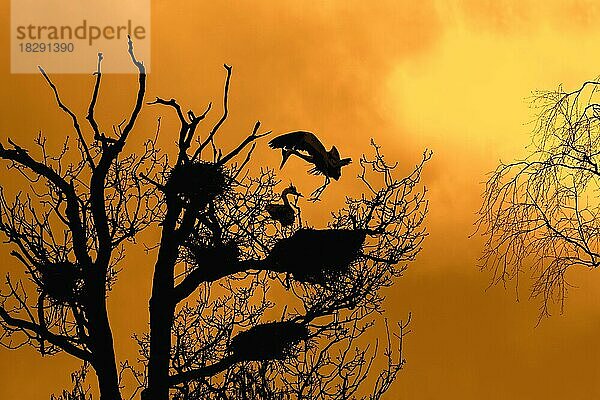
(76, 125)
(213, 132)
(56, 340)
(250, 139)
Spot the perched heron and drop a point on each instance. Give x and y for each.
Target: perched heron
(308, 147)
(284, 213)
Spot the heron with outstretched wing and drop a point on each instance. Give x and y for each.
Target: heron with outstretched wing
(307, 146)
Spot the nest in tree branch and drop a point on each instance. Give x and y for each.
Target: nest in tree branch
(209, 256)
(198, 182)
(62, 281)
(270, 341)
(317, 256)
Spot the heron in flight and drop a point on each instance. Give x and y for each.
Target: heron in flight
(284, 213)
(308, 147)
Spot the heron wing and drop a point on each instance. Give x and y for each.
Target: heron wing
(335, 154)
(300, 141)
(315, 171)
(272, 208)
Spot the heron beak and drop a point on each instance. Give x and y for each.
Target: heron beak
(285, 154)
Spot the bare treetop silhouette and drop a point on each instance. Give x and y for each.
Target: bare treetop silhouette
(69, 232)
(541, 213)
(242, 305)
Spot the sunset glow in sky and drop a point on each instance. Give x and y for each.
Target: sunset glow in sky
(450, 76)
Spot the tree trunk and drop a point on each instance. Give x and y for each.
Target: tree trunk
(102, 346)
(108, 381)
(161, 322)
(103, 353)
(162, 310)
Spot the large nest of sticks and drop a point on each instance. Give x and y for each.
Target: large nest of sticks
(269, 341)
(200, 254)
(317, 256)
(198, 182)
(62, 281)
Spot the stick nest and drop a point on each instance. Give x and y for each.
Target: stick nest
(317, 256)
(198, 182)
(269, 341)
(62, 282)
(200, 254)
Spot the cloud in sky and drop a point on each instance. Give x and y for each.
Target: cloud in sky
(452, 76)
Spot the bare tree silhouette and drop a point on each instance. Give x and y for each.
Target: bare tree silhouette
(69, 233)
(241, 306)
(220, 346)
(541, 213)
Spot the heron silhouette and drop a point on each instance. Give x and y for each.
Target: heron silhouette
(284, 213)
(308, 147)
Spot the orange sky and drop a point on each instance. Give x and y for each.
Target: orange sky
(450, 76)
